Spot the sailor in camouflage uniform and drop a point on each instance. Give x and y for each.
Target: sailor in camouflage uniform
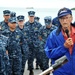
(37, 18)
(4, 59)
(55, 21)
(43, 34)
(6, 15)
(21, 20)
(15, 38)
(37, 62)
(13, 14)
(33, 41)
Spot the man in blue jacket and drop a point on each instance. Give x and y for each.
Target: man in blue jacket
(62, 42)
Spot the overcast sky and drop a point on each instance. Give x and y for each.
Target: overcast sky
(38, 3)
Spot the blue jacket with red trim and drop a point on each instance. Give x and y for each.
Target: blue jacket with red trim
(55, 49)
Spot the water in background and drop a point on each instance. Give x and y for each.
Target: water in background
(41, 12)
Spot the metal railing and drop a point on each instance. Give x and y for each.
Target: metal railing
(58, 63)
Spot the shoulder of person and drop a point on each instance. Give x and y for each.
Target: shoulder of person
(26, 23)
(53, 33)
(6, 31)
(2, 22)
(4, 37)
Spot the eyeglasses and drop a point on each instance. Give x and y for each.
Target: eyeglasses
(65, 18)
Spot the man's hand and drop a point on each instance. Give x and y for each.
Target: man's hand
(40, 38)
(7, 52)
(68, 43)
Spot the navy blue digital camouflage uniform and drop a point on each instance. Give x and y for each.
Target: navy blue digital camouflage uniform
(43, 34)
(4, 59)
(33, 41)
(26, 50)
(14, 50)
(15, 38)
(3, 24)
(37, 62)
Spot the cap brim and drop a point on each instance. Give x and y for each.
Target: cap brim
(47, 23)
(64, 14)
(6, 14)
(31, 15)
(13, 22)
(20, 19)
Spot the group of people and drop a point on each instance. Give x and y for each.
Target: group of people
(21, 41)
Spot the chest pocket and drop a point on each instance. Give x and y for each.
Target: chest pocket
(14, 39)
(36, 31)
(2, 43)
(44, 33)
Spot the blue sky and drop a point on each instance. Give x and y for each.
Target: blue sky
(38, 3)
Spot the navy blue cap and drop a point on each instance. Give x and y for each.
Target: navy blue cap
(55, 21)
(64, 11)
(31, 13)
(13, 14)
(36, 18)
(6, 12)
(12, 20)
(20, 18)
(47, 20)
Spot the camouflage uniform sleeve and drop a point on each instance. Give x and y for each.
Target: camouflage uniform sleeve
(24, 44)
(40, 25)
(7, 45)
(40, 33)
